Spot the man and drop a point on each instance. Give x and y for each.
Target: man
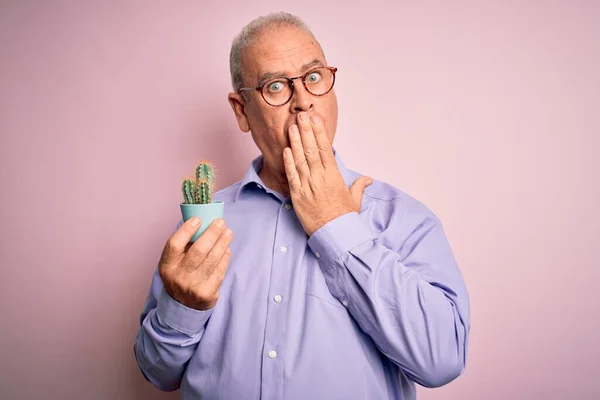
(335, 286)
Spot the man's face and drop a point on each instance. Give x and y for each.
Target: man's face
(290, 52)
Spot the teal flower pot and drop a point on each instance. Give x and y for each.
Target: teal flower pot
(206, 212)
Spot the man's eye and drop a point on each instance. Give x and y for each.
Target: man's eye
(276, 87)
(314, 77)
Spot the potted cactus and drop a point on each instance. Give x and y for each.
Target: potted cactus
(197, 197)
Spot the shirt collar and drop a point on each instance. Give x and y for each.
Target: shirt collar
(251, 176)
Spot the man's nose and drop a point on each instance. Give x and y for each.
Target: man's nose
(301, 100)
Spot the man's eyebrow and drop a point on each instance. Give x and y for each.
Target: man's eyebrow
(278, 74)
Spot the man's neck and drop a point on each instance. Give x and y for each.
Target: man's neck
(276, 181)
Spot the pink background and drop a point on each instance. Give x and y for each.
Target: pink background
(487, 111)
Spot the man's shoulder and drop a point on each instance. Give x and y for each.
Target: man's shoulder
(227, 193)
(397, 201)
(395, 214)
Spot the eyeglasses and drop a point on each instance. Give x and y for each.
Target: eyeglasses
(278, 91)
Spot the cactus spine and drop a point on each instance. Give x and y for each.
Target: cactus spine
(200, 190)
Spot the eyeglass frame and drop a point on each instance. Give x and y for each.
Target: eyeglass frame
(291, 81)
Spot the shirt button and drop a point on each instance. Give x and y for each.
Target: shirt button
(317, 254)
(287, 207)
(272, 354)
(277, 298)
(345, 303)
(283, 249)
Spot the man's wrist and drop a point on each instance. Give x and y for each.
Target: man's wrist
(180, 317)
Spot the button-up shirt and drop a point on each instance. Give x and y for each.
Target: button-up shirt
(368, 305)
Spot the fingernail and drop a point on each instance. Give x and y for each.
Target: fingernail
(195, 221)
(370, 181)
(302, 117)
(313, 119)
(220, 223)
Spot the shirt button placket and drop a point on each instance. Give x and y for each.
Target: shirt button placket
(272, 368)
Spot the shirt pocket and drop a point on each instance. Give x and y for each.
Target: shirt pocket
(316, 286)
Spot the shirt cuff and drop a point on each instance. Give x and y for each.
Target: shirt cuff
(337, 237)
(180, 317)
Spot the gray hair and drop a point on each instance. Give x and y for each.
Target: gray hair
(248, 35)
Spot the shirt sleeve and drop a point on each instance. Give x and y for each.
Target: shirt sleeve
(399, 280)
(168, 336)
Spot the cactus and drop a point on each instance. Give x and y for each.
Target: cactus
(205, 171)
(200, 190)
(204, 192)
(188, 191)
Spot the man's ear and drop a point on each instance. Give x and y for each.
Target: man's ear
(238, 104)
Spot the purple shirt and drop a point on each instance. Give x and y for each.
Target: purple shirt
(362, 309)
